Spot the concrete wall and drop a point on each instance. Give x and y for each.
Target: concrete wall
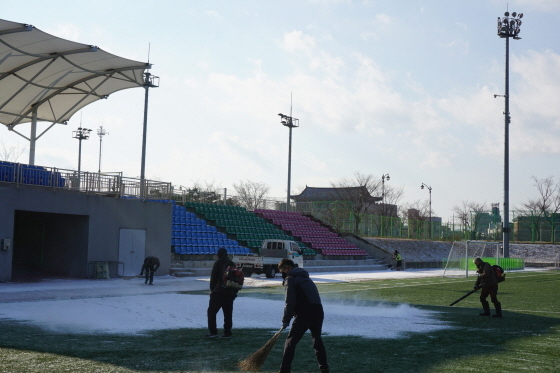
(81, 228)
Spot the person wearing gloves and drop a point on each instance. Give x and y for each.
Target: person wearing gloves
(303, 303)
(489, 284)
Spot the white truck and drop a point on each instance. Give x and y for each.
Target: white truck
(270, 254)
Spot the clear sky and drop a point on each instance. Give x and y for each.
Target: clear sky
(401, 87)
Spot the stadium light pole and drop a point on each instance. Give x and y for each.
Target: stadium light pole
(430, 221)
(508, 27)
(80, 134)
(383, 177)
(101, 132)
(150, 81)
(289, 122)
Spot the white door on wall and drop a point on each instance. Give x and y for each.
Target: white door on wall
(132, 249)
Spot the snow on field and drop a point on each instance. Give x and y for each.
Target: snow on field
(129, 306)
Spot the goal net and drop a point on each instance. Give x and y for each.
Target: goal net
(460, 260)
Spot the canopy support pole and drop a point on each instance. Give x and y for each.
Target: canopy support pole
(33, 137)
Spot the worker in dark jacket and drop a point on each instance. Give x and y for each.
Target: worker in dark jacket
(151, 264)
(220, 297)
(304, 304)
(489, 283)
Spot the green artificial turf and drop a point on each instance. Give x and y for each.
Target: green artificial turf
(526, 339)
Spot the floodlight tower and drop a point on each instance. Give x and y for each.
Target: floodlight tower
(150, 81)
(101, 132)
(508, 27)
(80, 134)
(430, 222)
(289, 122)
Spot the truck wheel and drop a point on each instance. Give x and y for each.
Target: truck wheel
(247, 272)
(270, 272)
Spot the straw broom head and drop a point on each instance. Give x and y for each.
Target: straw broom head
(254, 362)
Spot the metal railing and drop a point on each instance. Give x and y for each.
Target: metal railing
(104, 183)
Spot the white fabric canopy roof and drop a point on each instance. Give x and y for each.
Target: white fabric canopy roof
(55, 77)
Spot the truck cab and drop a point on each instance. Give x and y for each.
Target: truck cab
(270, 254)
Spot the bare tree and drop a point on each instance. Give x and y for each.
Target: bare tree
(206, 192)
(335, 213)
(418, 210)
(471, 215)
(361, 192)
(251, 194)
(416, 214)
(546, 205)
(10, 154)
(387, 210)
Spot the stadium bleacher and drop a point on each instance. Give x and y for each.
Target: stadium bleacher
(28, 174)
(312, 233)
(244, 225)
(193, 236)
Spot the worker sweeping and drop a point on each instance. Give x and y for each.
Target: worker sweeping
(303, 303)
(150, 266)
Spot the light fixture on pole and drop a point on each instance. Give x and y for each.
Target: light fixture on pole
(383, 177)
(101, 132)
(289, 122)
(508, 27)
(80, 134)
(430, 221)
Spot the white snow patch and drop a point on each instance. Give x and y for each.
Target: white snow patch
(130, 307)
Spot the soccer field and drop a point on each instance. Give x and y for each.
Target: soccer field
(527, 338)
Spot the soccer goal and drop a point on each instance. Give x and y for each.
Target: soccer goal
(460, 259)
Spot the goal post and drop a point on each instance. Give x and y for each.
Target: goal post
(462, 253)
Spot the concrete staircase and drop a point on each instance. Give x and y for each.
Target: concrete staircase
(184, 268)
(178, 269)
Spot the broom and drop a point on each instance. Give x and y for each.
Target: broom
(254, 362)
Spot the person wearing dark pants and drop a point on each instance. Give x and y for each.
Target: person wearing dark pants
(150, 266)
(488, 282)
(220, 297)
(303, 303)
(225, 303)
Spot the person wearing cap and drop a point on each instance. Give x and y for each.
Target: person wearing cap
(220, 297)
(303, 304)
(487, 281)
